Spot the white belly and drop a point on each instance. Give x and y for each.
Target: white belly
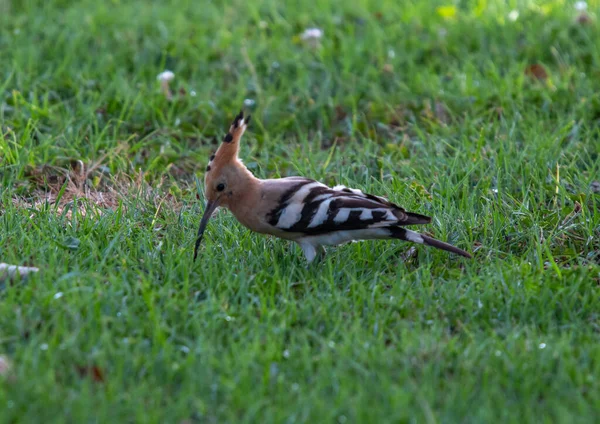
(340, 237)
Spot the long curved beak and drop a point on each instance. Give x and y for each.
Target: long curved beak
(208, 211)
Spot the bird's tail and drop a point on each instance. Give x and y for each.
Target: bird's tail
(408, 235)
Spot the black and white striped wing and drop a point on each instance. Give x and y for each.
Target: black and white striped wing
(312, 208)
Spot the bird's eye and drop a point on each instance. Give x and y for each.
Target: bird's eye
(221, 187)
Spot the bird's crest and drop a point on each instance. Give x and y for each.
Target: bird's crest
(230, 147)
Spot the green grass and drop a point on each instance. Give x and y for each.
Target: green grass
(436, 113)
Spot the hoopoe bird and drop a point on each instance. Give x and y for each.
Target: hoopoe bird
(300, 209)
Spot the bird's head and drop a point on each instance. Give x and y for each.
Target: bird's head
(225, 174)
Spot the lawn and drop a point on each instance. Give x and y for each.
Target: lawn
(484, 115)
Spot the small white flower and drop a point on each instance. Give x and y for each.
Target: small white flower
(312, 34)
(58, 295)
(513, 15)
(286, 354)
(165, 76)
(249, 102)
(542, 346)
(581, 6)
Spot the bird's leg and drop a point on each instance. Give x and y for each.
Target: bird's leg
(312, 252)
(309, 251)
